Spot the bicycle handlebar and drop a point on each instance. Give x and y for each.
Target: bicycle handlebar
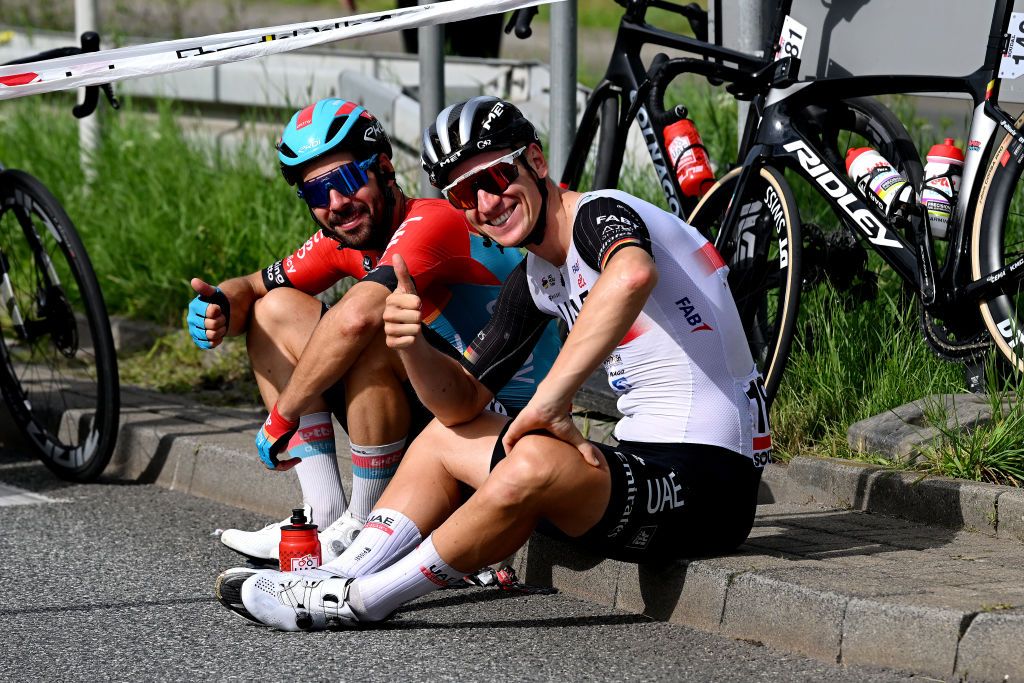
(743, 85)
(636, 9)
(90, 43)
(520, 20)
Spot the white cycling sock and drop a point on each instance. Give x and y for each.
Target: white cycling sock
(386, 536)
(375, 596)
(372, 470)
(317, 470)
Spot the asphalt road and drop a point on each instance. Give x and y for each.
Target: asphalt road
(115, 582)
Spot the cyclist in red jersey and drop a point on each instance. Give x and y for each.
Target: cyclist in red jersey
(310, 359)
(644, 295)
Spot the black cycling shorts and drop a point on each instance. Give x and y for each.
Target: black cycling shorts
(668, 501)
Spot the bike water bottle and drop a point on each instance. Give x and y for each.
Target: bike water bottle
(688, 156)
(300, 544)
(941, 184)
(873, 173)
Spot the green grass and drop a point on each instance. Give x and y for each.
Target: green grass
(165, 207)
(162, 208)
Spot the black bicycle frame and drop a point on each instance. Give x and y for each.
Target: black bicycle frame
(618, 94)
(779, 138)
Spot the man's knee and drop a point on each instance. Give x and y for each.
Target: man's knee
(282, 319)
(280, 307)
(526, 473)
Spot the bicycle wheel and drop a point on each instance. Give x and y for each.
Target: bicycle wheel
(997, 239)
(863, 121)
(763, 253)
(593, 166)
(59, 370)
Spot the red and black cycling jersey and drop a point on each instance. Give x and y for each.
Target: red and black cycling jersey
(457, 275)
(433, 239)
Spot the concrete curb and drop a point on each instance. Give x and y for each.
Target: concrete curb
(955, 503)
(819, 576)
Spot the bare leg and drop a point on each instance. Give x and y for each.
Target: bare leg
(377, 410)
(423, 493)
(426, 486)
(282, 323)
(542, 478)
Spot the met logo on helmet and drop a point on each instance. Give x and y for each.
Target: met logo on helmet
(496, 111)
(313, 143)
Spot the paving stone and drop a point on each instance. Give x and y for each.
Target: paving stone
(965, 599)
(902, 432)
(784, 615)
(837, 578)
(991, 648)
(882, 634)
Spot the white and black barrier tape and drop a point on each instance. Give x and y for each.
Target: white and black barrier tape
(109, 66)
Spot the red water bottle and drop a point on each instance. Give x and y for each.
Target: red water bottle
(300, 544)
(688, 155)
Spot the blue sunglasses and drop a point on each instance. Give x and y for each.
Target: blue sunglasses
(346, 179)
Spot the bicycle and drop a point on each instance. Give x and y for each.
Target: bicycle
(58, 366)
(764, 275)
(969, 292)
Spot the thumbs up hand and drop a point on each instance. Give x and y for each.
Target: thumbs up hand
(208, 315)
(402, 309)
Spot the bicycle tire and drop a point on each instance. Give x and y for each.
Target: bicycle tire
(998, 225)
(872, 121)
(764, 269)
(58, 373)
(600, 125)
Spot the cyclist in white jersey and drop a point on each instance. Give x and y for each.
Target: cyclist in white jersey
(643, 293)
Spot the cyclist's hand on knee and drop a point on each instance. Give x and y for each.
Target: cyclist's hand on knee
(208, 315)
(272, 440)
(402, 310)
(556, 422)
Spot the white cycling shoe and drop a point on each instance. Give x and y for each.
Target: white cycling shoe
(263, 545)
(336, 538)
(310, 600)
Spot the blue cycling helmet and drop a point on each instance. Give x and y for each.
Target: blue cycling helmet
(329, 125)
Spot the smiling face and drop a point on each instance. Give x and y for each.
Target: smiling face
(357, 221)
(508, 217)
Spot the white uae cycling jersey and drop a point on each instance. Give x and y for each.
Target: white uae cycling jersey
(683, 372)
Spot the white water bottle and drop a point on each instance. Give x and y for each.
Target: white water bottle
(874, 174)
(941, 184)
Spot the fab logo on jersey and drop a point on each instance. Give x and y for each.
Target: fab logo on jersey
(696, 323)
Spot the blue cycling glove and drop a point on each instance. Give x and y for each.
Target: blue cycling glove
(196, 320)
(272, 439)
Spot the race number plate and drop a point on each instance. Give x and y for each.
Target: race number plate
(1012, 63)
(791, 41)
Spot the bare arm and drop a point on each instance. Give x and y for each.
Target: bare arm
(443, 385)
(338, 340)
(613, 305)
